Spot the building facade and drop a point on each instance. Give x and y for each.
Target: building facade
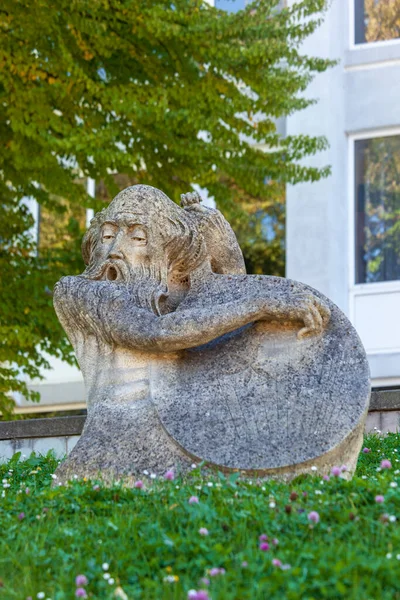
(343, 233)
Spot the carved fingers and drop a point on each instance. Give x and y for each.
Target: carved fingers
(314, 313)
(191, 201)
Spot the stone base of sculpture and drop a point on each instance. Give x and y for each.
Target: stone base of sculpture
(187, 359)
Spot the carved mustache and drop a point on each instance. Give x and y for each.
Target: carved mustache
(110, 270)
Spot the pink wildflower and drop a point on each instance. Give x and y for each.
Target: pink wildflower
(336, 471)
(139, 484)
(202, 595)
(198, 595)
(80, 592)
(313, 516)
(205, 581)
(343, 468)
(326, 478)
(366, 450)
(193, 500)
(81, 580)
(21, 516)
(276, 562)
(386, 464)
(379, 499)
(263, 538)
(169, 475)
(203, 531)
(216, 571)
(27, 491)
(245, 564)
(275, 541)
(264, 546)
(96, 487)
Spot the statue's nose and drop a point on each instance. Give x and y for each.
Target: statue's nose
(116, 254)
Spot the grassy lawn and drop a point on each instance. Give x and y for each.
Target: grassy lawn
(319, 538)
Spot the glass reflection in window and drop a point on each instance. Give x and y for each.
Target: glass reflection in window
(376, 20)
(377, 194)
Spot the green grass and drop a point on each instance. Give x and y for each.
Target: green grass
(148, 534)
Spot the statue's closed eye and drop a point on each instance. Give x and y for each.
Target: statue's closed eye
(138, 235)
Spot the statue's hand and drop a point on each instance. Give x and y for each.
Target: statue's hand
(314, 313)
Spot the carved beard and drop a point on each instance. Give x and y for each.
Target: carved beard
(145, 283)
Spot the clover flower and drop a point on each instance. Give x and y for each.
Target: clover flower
(80, 592)
(216, 571)
(263, 537)
(139, 484)
(169, 475)
(366, 450)
(21, 516)
(81, 580)
(336, 471)
(264, 546)
(198, 595)
(276, 562)
(313, 516)
(203, 531)
(193, 500)
(386, 464)
(379, 499)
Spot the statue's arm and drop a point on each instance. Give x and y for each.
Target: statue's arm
(193, 327)
(105, 309)
(133, 327)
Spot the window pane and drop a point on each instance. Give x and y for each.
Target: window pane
(377, 194)
(376, 20)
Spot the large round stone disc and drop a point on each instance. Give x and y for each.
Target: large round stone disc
(259, 398)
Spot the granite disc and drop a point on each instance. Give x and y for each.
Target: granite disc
(260, 398)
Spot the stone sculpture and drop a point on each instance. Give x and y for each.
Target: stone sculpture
(186, 358)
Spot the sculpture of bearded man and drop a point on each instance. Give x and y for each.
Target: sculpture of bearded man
(165, 324)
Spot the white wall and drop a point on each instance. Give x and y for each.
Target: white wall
(358, 98)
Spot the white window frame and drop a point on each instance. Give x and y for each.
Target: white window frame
(365, 45)
(364, 289)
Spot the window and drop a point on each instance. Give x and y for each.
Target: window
(376, 20)
(377, 202)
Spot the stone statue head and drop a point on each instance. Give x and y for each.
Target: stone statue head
(143, 236)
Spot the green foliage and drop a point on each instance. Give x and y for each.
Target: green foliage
(52, 534)
(169, 94)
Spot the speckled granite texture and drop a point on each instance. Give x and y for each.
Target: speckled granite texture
(185, 357)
